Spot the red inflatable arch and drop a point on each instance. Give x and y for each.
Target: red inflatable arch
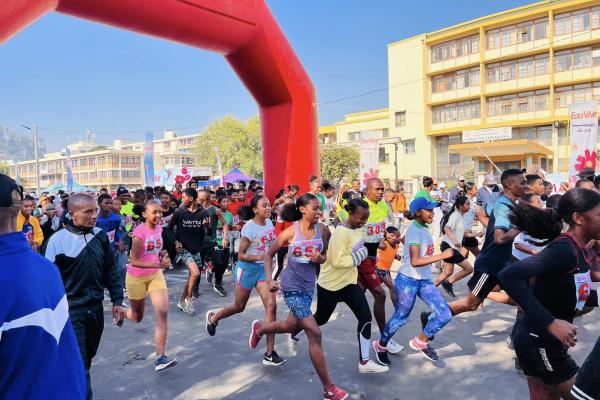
(245, 32)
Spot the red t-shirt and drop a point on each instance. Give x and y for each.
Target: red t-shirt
(282, 226)
(233, 207)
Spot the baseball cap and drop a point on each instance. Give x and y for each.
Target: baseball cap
(7, 186)
(122, 190)
(461, 178)
(421, 203)
(490, 179)
(50, 207)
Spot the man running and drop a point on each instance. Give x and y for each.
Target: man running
(40, 359)
(82, 252)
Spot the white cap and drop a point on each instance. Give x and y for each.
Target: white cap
(461, 178)
(442, 185)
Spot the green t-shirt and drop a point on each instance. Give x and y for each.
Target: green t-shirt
(127, 212)
(423, 193)
(210, 240)
(321, 198)
(229, 219)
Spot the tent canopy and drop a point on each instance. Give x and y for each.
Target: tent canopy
(236, 176)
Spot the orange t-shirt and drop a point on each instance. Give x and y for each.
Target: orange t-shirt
(386, 257)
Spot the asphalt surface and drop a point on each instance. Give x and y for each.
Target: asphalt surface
(475, 362)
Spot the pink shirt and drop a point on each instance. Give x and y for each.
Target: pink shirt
(152, 241)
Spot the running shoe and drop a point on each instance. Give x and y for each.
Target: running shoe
(254, 336)
(371, 367)
(209, 275)
(164, 362)
(220, 290)
(424, 320)
(181, 305)
(211, 328)
(333, 392)
(381, 353)
(393, 347)
(273, 359)
(292, 342)
(189, 306)
(448, 287)
(425, 349)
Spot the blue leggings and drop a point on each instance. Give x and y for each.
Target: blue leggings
(408, 289)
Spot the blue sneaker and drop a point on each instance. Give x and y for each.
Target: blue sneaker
(164, 362)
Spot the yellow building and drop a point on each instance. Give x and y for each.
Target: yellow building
(510, 75)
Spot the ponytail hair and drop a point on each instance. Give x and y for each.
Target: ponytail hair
(409, 215)
(354, 204)
(458, 202)
(291, 212)
(246, 213)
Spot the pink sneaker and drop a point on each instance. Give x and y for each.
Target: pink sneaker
(254, 336)
(333, 392)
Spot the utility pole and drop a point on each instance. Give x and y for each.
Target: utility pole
(37, 160)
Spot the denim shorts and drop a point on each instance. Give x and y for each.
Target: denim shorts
(298, 301)
(248, 275)
(188, 257)
(382, 273)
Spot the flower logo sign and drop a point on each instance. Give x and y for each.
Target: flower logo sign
(587, 160)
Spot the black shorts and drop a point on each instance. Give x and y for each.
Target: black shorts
(481, 284)
(470, 242)
(542, 356)
(456, 258)
(587, 385)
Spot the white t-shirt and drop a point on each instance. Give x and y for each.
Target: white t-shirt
(260, 237)
(456, 222)
(530, 242)
(417, 235)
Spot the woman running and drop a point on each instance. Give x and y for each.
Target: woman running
(145, 277)
(308, 243)
(338, 280)
(414, 279)
(453, 226)
(387, 253)
(257, 236)
(560, 289)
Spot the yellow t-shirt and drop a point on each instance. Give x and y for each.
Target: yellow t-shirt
(339, 270)
(374, 230)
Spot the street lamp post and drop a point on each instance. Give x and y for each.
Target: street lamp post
(37, 157)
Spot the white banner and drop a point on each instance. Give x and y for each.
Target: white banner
(487, 135)
(369, 156)
(583, 137)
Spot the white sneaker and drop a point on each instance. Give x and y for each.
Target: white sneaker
(181, 305)
(371, 367)
(292, 345)
(393, 347)
(189, 306)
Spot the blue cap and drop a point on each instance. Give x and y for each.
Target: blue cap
(421, 203)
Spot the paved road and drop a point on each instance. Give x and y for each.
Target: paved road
(474, 360)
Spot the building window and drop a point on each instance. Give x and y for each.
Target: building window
(518, 103)
(409, 147)
(400, 118)
(456, 111)
(455, 48)
(524, 32)
(455, 80)
(525, 68)
(577, 21)
(385, 132)
(541, 29)
(542, 63)
(384, 157)
(565, 95)
(353, 136)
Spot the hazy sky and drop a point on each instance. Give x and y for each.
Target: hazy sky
(69, 75)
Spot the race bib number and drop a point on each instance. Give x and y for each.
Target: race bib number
(220, 233)
(302, 250)
(583, 287)
(29, 235)
(111, 235)
(375, 231)
(266, 240)
(153, 245)
(128, 220)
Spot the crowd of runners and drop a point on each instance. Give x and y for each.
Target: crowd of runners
(533, 250)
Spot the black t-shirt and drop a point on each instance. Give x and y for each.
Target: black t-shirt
(562, 283)
(189, 228)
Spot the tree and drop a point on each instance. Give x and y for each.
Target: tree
(99, 147)
(239, 144)
(339, 163)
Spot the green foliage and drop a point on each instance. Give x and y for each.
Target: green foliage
(339, 163)
(99, 147)
(239, 144)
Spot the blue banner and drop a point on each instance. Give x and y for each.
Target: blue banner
(149, 159)
(69, 171)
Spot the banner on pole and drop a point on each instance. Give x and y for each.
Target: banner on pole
(369, 156)
(583, 137)
(69, 170)
(149, 159)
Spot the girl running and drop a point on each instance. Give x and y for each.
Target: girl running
(561, 287)
(257, 236)
(308, 241)
(414, 279)
(145, 277)
(453, 226)
(221, 253)
(387, 253)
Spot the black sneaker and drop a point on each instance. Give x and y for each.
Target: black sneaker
(220, 290)
(210, 327)
(424, 320)
(273, 359)
(448, 287)
(427, 351)
(381, 353)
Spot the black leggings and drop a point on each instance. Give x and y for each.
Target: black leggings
(220, 260)
(280, 258)
(355, 299)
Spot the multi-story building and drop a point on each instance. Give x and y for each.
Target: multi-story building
(517, 70)
(122, 164)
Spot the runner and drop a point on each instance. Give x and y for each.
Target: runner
(167, 214)
(308, 241)
(221, 254)
(29, 225)
(497, 248)
(110, 223)
(145, 277)
(387, 253)
(414, 279)
(453, 226)
(587, 385)
(561, 287)
(475, 211)
(373, 233)
(187, 229)
(257, 236)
